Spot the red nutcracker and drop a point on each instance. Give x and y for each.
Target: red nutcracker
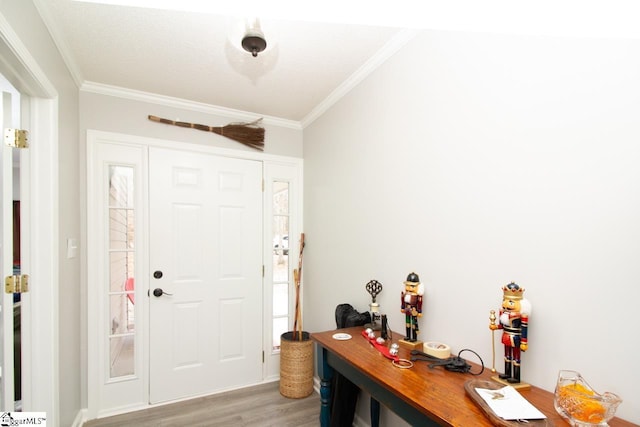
(514, 322)
(411, 305)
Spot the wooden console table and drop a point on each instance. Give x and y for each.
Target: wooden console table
(422, 396)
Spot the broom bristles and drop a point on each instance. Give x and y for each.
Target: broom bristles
(242, 133)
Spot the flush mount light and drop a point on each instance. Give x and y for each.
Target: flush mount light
(253, 40)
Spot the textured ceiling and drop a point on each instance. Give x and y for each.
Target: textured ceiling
(197, 56)
(190, 49)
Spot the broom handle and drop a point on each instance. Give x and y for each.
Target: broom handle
(298, 323)
(296, 281)
(297, 277)
(300, 257)
(205, 128)
(181, 124)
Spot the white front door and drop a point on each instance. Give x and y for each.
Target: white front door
(205, 296)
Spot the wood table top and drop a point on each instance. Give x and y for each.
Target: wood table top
(436, 392)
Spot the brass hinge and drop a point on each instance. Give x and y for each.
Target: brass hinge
(263, 356)
(16, 284)
(16, 138)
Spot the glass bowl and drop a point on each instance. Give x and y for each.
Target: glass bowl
(581, 405)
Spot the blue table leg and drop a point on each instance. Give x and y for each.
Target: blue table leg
(325, 372)
(374, 412)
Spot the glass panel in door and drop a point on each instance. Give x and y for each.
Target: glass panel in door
(121, 333)
(281, 280)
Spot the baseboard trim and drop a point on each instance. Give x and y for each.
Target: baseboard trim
(81, 417)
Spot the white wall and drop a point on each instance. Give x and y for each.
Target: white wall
(130, 116)
(476, 160)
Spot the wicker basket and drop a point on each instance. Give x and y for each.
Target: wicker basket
(296, 365)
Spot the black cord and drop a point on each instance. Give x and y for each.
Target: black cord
(469, 367)
(456, 364)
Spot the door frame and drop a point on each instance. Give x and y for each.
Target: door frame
(39, 245)
(93, 301)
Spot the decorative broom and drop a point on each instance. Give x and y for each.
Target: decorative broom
(249, 134)
(297, 277)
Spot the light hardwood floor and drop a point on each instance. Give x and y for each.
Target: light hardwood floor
(262, 405)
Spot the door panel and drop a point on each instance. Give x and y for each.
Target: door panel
(205, 238)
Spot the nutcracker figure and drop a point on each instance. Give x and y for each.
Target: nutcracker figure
(411, 305)
(514, 321)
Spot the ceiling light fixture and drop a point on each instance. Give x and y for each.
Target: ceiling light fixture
(253, 40)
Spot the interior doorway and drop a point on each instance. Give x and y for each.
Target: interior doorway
(39, 114)
(11, 303)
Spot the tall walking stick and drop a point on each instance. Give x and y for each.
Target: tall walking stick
(492, 319)
(297, 277)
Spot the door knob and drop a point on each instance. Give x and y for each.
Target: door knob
(157, 274)
(158, 292)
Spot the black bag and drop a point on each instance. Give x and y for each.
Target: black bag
(347, 316)
(345, 393)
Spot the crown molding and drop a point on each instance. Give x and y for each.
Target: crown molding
(388, 50)
(152, 98)
(59, 40)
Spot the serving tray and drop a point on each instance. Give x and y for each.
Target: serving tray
(470, 387)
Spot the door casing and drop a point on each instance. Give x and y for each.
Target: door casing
(39, 241)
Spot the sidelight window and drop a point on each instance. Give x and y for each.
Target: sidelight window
(281, 276)
(121, 292)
